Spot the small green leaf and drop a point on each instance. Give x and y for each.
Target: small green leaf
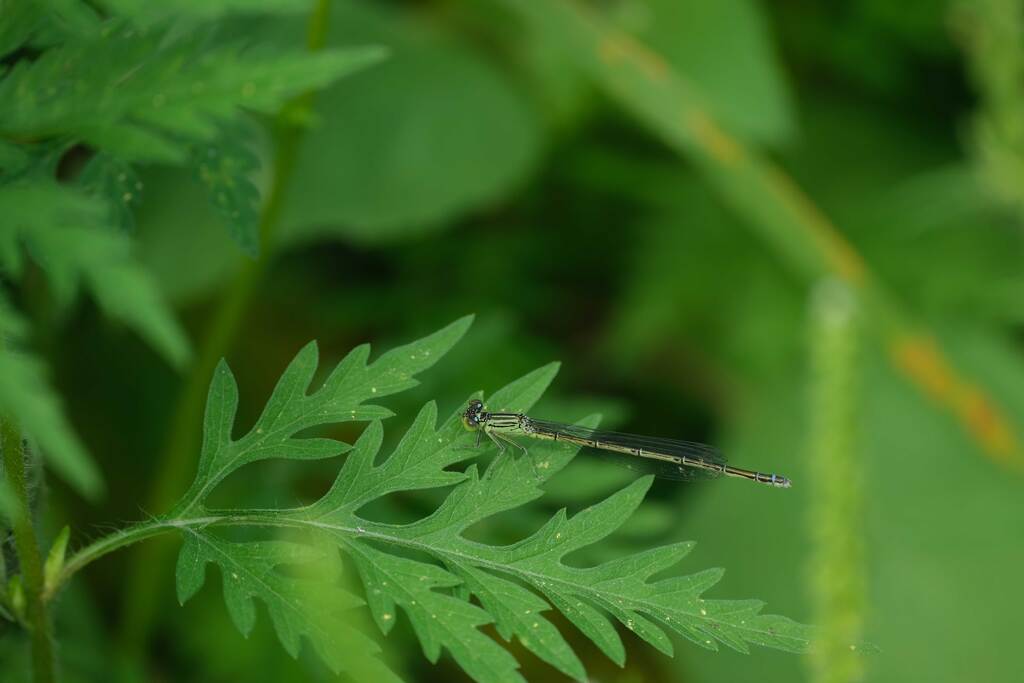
(55, 558)
(224, 167)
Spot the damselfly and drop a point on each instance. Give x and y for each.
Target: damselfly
(665, 458)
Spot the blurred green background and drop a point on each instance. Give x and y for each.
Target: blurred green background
(630, 213)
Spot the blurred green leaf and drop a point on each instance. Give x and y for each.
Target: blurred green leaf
(683, 251)
(179, 225)
(299, 607)
(726, 50)
(108, 177)
(21, 19)
(26, 394)
(55, 557)
(16, 595)
(992, 35)
(224, 168)
(63, 230)
(46, 22)
(8, 507)
(145, 12)
(13, 159)
(137, 93)
(434, 133)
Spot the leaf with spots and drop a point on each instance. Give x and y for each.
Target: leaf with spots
(224, 168)
(108, 177)
(313, 605)
(310, 605)
(292, 408)
(145, 93)
(427, 571)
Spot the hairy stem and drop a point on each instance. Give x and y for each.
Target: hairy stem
(29, 557)
(178, 459)
(106, 545)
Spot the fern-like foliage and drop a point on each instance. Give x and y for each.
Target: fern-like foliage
(141, 93)
(116, 84)
(428, 570)
(26, 395)
(63, 230)
(224, 169)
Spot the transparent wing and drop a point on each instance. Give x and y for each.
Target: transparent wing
(647, 465)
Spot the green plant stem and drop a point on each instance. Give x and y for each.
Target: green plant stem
(106, 545)
(835, 508)
(146, 574)
(29, 557)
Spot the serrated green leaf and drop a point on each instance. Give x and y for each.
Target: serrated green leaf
(140, 93)
(312, 607)
(251, 570)
(55, 558)
(341, 398)
(517, 612)
(430, 572)
(439, 620)
(63, 230)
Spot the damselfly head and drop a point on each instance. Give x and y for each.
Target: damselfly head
(471, 418)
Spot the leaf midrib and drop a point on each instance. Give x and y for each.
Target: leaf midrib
(263, 519)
